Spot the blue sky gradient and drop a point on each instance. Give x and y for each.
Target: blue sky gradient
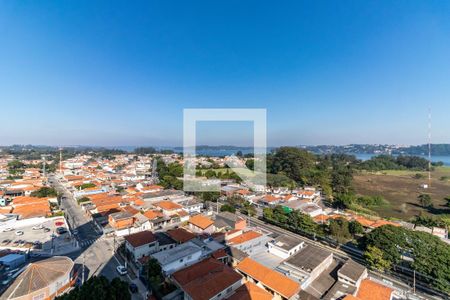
(120, 73)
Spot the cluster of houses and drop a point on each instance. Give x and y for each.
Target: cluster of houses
(16, 201)
(223, 257)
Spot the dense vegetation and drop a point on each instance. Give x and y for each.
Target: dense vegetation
(44, 192)
(99, 288)
(386, 245)
(388, 162)
(292, 220)
(332, 173)
(169, 174)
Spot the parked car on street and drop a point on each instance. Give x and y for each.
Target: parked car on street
(61, 230)
(19, 232)
(133, 288)
(8, 229)
(122, 270)
(38, 227)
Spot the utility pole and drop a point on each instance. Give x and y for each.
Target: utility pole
(429, 147)
(82, 274)
(414, 282)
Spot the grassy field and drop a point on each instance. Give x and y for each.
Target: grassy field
(401, 190)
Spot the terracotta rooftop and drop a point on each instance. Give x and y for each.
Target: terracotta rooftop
(245, 237)
(151, 214)
(269, 278)
(205, 279)
(140, 238)
(370, 290)
(168, 205)
(201, 221)
(180, 235)
(251, 291)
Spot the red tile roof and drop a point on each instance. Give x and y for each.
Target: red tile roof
(140, 238)
(269, 278)
(245, 237)
(168, 205)
(180, 235)
(251, 291)
(205, 279)
(371, 290)
(201, 221)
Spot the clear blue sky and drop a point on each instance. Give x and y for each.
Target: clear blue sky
(121, 72)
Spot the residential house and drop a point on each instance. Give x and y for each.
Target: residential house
(225, 221)
(278, 285)
(352, 273)
(246, 241)
(250, 291)
(179, 257)
(307, 264)
(285, 246)
(201, 224)
(207, 280)
(169, 208)
(180, 235)
(120, 220)
(141, 244)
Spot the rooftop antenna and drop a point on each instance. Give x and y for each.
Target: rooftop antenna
(429, 147)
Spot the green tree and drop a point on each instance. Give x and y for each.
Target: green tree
(431, 256)
(250, 163)
(425, 200)
(374, 256)
(228, 207)
(248, 209)
(339, 228)
(44, 192)
(99, 288)
(153, 270)
(86, 186)
(355, 228)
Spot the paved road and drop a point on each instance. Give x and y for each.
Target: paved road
(96, 252)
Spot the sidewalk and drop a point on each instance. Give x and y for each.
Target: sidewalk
(134, 273)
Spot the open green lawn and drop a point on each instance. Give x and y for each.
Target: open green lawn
(401, 190)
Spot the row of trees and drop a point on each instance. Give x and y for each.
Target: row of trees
(332, 173)
(430, 257)
(388, 162)
(99, 288)
(339, 229)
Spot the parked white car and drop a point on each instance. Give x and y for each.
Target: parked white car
(122, 270)
(8, 229)
(38, 227)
